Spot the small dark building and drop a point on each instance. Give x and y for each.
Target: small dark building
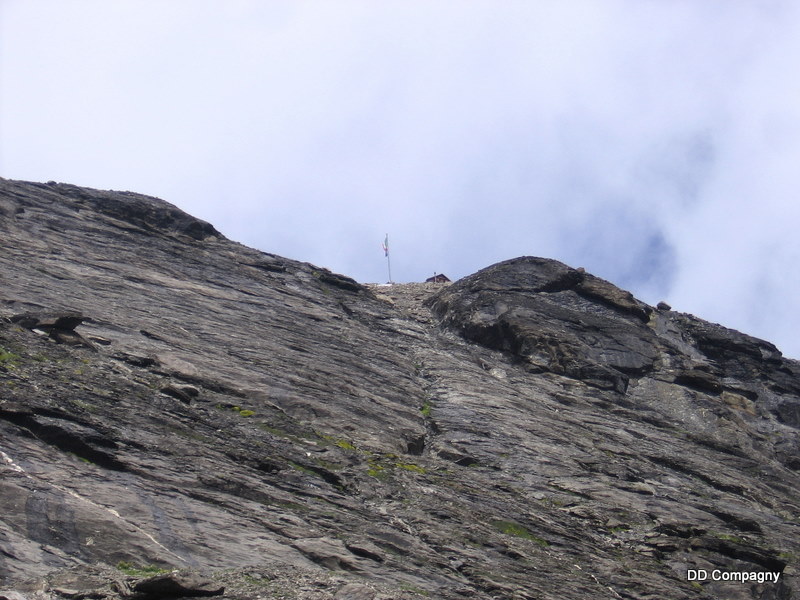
(438, 278)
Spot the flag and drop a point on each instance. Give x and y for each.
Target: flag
(385, 245)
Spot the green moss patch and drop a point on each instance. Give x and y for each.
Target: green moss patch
(517, 530)
(8, 359)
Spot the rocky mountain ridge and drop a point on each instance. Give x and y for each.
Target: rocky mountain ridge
(170, 399)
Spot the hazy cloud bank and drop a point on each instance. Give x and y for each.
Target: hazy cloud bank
(655, 144)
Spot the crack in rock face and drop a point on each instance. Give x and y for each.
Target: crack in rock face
(182, 416)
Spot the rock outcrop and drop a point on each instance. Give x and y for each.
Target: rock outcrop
(182, 415)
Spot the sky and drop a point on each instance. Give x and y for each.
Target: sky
(654, 143)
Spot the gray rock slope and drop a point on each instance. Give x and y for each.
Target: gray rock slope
(170, 399)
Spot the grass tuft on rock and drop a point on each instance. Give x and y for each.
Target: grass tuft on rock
(517, 530)
(140, 570)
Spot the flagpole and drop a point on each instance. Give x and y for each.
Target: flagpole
(388, 260)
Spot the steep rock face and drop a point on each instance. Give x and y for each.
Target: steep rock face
(556, 318)
(169, 398)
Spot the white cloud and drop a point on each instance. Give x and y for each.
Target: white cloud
(653, 143)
